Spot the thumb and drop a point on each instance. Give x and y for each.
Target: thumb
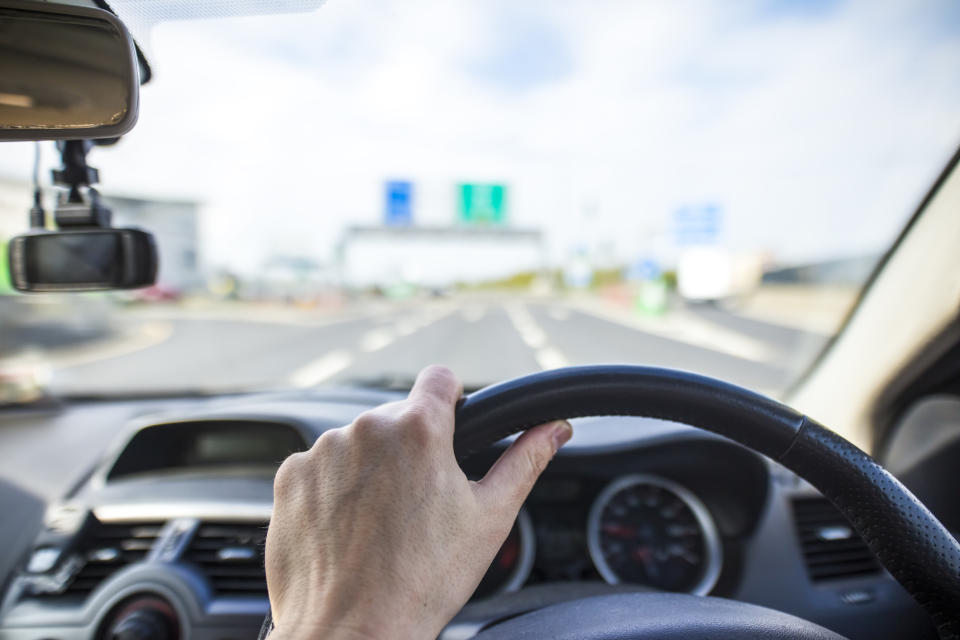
(510, 479)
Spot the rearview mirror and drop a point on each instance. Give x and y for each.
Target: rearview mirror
(82, 260)
(66, 72)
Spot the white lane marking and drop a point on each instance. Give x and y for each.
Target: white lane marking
(416, 321)
(526, 326)
(320, 369)
(559, 313)
(534, 337)
(327, 366)
(473, 313)
(551, 358)
(376, 340)
(546, 355)
(683, 326)
(406, 326)
(147, 335)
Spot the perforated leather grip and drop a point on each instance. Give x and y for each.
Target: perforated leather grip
(907, 539)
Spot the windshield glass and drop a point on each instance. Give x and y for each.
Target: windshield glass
(348, 194)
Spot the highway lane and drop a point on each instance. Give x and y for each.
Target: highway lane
(475, 340)
(211, 354)
(586, 339)
(483, 341)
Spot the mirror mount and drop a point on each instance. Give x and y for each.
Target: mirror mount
(85, 253)
(75, 172)
(73, 210)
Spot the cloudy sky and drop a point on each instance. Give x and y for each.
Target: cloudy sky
(816, 126)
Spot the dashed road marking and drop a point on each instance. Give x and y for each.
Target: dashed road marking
(376, 340)
(551, 358)
(546, 355)
(322, 368)
(685, 327)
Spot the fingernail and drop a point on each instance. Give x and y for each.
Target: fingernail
(562, 432)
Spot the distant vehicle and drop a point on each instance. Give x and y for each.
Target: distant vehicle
(158, 293)
(713, 274)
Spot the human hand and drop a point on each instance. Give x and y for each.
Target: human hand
(377, 532)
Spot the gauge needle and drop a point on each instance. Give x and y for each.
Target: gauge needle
(645, 555)
(619, 530)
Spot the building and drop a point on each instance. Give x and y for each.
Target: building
(16, 198)
(174, 223)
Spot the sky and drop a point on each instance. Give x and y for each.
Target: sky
(816, 127)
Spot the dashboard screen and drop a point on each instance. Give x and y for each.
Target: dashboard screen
(182, 446)
(232, 447)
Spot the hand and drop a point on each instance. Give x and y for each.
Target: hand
(376, 531)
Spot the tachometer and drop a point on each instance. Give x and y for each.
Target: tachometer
(511, 566)
(652, 531)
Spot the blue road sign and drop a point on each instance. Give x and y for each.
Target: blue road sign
(697, 225)
(398, 203)
(643, 269)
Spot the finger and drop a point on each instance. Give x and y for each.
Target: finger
(437, 390)
(510, 479)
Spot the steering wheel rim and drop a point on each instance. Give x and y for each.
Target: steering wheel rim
(906, 537)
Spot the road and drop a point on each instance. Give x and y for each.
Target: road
(483, 340)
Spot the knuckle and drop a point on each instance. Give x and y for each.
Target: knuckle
(328, 440)
(416, 415)
(447, 382)
(367, 424)
(288, 475)
(442, 373)
(418, 422)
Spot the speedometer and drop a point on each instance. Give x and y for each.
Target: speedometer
(649, 530)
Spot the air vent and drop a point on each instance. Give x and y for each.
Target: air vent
(107, 548)
(831, 547)
(231, 556)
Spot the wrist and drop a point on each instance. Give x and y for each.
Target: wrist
(342, 627)
(322, 632)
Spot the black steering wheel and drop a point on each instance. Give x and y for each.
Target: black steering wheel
(907, 539)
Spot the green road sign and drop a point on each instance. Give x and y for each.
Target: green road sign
(482, 203)
(5, 284)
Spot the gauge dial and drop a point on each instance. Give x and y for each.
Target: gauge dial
(511, 566)
(651, 531)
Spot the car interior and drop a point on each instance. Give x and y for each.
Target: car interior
(686, 505)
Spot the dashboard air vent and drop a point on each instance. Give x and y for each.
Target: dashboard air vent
(231, 556)
(108, 548)
(831, 547)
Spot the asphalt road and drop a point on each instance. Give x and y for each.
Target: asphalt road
(483, 341)
(171, 349)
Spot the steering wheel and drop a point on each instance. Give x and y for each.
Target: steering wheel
(907, 539)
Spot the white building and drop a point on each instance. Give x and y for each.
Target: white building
(174, 224)
(436, 256)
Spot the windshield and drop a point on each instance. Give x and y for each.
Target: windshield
(342, 196)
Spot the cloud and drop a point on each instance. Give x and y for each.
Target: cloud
(521, 52)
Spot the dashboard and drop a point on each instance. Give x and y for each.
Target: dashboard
(166, 530)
